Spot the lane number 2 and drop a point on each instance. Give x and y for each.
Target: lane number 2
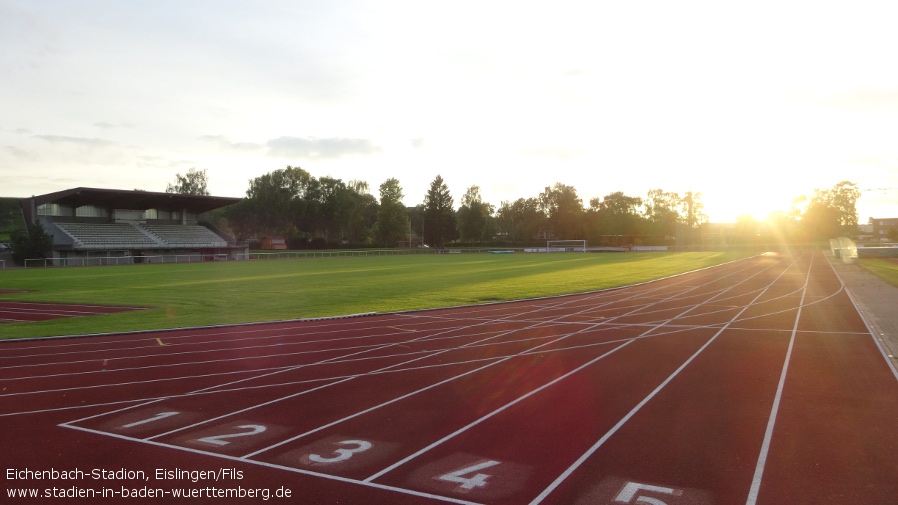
(254, 429)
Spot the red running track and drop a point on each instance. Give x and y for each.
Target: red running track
(20, 312)
(752, 382)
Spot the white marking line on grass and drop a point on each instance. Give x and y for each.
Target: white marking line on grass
(771, 422)
(570, 470)
(281, 467)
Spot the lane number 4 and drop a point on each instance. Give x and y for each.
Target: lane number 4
(468, 482)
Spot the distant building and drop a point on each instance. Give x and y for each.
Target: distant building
(93, 226)
(273, 243)
(881, 228)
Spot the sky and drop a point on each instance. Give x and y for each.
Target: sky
(751, 104)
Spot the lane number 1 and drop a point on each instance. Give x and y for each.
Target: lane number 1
(157, 417)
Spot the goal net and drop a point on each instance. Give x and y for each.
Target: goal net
(565, 246)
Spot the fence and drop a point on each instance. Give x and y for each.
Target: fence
(332, 254)
(123, 260)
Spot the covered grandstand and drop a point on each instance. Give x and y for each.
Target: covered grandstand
(97, 226)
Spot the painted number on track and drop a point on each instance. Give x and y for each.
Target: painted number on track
(468, 482)
(254, 429)
(343, 454)
(633, 492)
(157, 417)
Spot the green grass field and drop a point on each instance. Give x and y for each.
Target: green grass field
(886, 270)
(197, 294)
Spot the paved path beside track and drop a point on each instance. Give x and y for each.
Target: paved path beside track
(876, 299)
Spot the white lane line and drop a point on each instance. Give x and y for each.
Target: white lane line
(287, 397)
(645, 334)
(516, 314)
(608, 323)
(638, 309)
(570, 470)
(871, 330)
(771, 422)
(280, 467)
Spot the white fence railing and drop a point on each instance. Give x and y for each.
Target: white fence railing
(348, 253)
(123, 260)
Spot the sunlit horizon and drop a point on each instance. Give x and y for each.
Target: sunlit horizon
(609, 96)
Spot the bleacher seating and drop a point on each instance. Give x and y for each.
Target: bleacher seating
(146, 236)
(107, 235)
(185, 235)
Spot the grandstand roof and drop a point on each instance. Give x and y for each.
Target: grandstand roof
(134, 200)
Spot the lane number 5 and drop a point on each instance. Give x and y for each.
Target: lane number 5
(634, 490)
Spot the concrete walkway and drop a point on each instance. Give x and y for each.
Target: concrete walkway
(877, 300)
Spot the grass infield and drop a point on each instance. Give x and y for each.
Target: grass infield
(200, 294)
(885, 269)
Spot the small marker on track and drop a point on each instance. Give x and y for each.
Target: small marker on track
(160, 341)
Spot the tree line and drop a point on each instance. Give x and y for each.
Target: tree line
(330, 212)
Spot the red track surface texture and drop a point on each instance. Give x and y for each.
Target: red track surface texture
(752, 382)
(31, 311)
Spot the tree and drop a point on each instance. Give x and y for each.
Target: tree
(615, 214)
(662, 212)
(564, 210)
(31, 243)
(195, 182)
(831, 212)
(274, 204)
(392, 218)
(521, 220)
(475, 217)
(439, 216)
(360, 213)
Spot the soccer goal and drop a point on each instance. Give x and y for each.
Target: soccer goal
(565, 246)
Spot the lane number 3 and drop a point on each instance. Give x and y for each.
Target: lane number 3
(342, 454)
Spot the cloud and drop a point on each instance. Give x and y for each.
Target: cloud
(65, 149)
(76, 141)
(331, 148)
(222, 142)
(112, 126)
(867, 98)
(558, 153)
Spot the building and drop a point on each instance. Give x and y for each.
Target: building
(884, 229)
(103, 226)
